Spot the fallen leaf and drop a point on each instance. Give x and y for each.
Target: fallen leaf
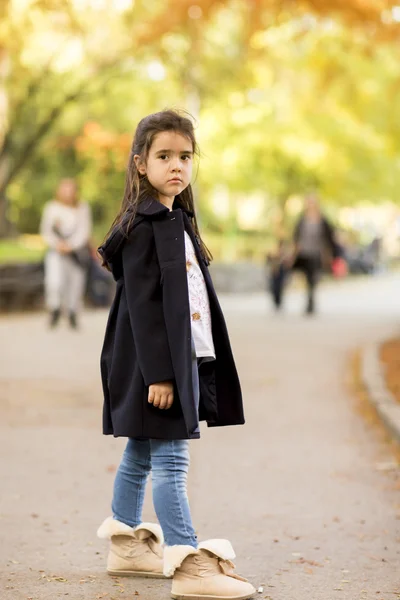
(304, 561)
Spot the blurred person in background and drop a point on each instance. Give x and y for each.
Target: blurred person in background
(278, 264)
(315, 246)
(66, 228)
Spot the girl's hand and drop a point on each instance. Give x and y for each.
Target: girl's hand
(161, 395)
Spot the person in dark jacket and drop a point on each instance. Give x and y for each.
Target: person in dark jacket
(166, 364)
(278, 269)
(315, 247)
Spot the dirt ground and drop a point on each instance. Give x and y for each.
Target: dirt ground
(307, 491)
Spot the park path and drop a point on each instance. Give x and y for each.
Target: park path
(308, 491)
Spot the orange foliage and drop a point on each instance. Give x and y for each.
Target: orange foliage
(103, 146)
(373, 15)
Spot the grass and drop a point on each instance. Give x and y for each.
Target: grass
(25, 248)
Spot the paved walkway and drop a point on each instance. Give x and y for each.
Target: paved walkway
(308, 491)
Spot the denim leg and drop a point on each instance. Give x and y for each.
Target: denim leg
(130, 482)
(170, 464)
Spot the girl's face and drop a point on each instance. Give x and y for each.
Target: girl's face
(169, 164)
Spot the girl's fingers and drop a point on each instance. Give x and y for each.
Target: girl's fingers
(161, 397)
(157, 399)
(163, 402)
(170, 400)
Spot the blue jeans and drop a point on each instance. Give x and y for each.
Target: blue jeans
(168, 462)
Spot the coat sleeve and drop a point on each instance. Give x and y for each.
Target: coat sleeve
(142, 279)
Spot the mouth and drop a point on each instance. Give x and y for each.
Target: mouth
(175, 180)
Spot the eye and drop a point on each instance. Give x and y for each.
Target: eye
(186, 157)
(163, 156)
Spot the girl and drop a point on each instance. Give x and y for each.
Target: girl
(66, 228)
(166, 364)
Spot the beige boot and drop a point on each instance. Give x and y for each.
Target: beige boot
(134, 552)
(206, 573)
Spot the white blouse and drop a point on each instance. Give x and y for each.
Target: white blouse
(199, 304)
(73, 222)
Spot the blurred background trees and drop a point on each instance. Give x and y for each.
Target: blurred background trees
(289, 96)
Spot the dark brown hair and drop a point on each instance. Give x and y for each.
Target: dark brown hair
(138, 187)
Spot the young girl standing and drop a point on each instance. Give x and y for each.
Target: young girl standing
(166, 364)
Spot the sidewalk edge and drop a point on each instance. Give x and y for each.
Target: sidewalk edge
(372, 375)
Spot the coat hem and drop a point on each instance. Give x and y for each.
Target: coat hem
(194, 436)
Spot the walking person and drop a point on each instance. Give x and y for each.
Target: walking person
(66, 228)
(315, 247)
(166, 364)
(278, 265)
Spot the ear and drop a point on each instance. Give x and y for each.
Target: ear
(141, 167)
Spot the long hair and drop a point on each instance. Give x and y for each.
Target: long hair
(138, 187)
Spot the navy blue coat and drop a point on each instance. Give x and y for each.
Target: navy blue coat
(148, 334)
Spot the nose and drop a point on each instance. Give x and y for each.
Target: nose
(176, 166)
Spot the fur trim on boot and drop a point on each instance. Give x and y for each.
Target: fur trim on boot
(111, 527)
(135, 552)
(143, 530)
(206, 573)
(221, 548)
(174, 557)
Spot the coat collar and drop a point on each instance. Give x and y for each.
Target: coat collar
(152, 208)
(149, 208)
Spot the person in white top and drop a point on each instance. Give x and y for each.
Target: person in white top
(66, 228)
